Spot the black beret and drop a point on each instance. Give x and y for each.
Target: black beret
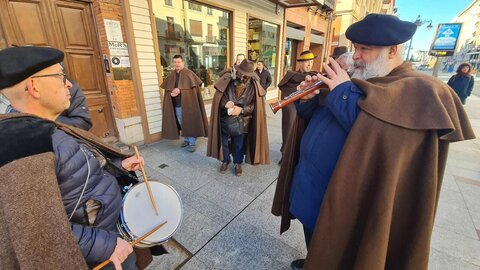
(380, 30)
(19, 63)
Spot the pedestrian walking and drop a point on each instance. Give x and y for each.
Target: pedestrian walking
(462, 82)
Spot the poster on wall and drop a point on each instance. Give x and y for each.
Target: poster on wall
(446, 39)
(120, 60)
(114, 30)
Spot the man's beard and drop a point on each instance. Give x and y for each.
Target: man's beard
(377, 68)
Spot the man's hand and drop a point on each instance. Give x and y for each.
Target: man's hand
(309, 80)
(120, 254)
(335, 76)
(229, 104)
(132, 163)
(175, 92)
(236, 110)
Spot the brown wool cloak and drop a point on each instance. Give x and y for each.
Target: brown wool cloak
(379, 208)
(194, 117)
(257, 148)
(34, 229)
(287, 86)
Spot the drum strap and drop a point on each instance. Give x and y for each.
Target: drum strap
(84, 186)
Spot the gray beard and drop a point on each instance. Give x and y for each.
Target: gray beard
(377, 68)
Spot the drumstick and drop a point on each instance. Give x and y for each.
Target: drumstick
(146, 182)
(133, 243)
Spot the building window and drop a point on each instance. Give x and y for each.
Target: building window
(262, 43)
(168, 3)
(202, 39)
(196, 28)
(194, 6)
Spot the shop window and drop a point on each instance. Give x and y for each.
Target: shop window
(262, 43)
(168, 3)
(205, 50)
(196, 28)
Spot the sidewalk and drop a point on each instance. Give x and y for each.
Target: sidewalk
(227, 222)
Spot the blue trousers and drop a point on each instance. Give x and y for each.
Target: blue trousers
(238, 149)
(178, 112)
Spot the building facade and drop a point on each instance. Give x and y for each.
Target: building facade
(468, 44)
(348, 12)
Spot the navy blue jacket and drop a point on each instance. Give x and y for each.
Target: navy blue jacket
(98, 240)
(320, 148)
(462, 85)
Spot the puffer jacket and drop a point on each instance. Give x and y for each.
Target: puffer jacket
(97, 241)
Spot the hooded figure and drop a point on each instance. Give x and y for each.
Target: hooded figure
(364, 176)
(238, 119)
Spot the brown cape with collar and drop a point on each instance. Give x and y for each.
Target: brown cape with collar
(194, 117)
(34, 229)
(379, 208)
(46, 169)
(287, 86)
(257, 148)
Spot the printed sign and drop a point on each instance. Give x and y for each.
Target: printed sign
(118, 48)
(446, 39)
(114, 30)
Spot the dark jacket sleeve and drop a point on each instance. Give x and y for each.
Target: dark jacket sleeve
(451, 80)
(77, 114)
(250, 104)
(269, 79)
(306, 109)
(97, 245)
(470, 85)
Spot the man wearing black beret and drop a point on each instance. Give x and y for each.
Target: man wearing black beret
(89, 172)
(380, 145)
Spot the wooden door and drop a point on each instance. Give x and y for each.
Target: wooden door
(68, 26)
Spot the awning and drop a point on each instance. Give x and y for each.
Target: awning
(317, 39)
(293, 33)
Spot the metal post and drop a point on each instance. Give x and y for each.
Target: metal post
(437, 66)
(409, 47)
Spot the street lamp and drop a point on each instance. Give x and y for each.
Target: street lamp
(419, 22)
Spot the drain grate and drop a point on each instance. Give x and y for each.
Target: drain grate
(162, 166)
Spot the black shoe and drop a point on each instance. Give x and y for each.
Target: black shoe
(298, 264)
(224, 167)
(238, 170)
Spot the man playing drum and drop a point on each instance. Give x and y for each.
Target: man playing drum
(88, 171)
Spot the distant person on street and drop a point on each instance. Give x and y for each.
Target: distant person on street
(264, 75)
(462, 82)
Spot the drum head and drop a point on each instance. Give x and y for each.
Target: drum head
(139, 216)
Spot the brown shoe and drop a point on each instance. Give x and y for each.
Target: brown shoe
(238, 170)
(224, 167)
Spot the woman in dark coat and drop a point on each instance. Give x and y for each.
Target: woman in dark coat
(462, 82)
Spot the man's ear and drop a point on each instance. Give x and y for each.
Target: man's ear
(393, 51)
(30, 88)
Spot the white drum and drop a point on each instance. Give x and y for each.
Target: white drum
(137, 216)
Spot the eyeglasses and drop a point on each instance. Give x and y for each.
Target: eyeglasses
(52, 75)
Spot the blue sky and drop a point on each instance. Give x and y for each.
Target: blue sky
(439, 11)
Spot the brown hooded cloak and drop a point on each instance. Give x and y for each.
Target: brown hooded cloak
(379, 208)
(257, 148)
(194, 118)
(287, 86)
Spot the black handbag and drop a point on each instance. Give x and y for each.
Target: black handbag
(232, 125)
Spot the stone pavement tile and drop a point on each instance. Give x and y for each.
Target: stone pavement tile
(225, 196)
(442, 261)
(246, 183)
(184, 175)
(196, 229)
(208, 208)
(171, 260)
(471, 195)
(201, 164)
(456, 245)
(195, 264)
(453, 215)
(259, 214)
(153, 157)
(243, 246)
(463, 172)
(181, 189)
(449, 183)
